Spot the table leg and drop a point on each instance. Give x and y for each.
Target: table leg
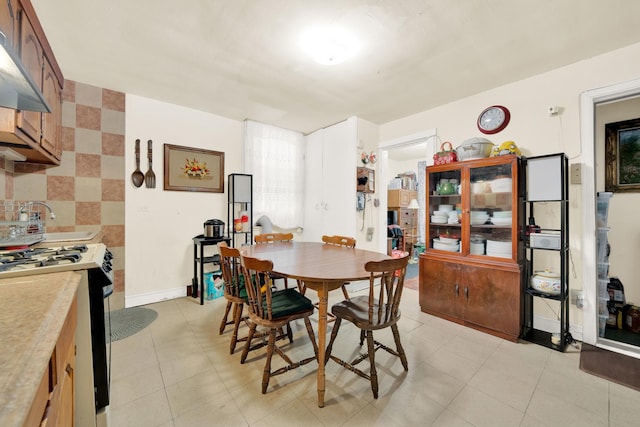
(201, 274)
(194, 282)
(323, 295)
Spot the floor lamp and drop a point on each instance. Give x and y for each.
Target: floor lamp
(413, 205)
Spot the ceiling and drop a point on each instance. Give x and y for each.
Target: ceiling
(241, 59)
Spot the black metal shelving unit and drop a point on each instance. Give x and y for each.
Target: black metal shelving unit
(547, 181)
(240, 199)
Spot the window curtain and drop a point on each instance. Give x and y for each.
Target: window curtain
(275, 158)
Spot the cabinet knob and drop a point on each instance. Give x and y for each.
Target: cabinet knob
(457, 289)
(466, 292)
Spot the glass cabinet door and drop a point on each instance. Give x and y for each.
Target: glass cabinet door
(491, 212)
(444, 191)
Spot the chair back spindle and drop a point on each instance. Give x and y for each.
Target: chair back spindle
(273, 237)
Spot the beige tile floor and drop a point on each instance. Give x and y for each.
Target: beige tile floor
(178, 372)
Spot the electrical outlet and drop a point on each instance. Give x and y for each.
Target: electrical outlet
(575, 173)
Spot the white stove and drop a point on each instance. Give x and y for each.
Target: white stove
(94, 263)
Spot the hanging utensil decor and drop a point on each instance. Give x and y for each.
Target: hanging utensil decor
(150, 177)
(137, 177)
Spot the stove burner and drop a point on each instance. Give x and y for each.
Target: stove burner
(40, 257)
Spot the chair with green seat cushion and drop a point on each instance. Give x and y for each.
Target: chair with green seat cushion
(273, 311)
(234, 291)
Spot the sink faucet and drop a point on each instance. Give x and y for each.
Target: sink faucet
(51, 214)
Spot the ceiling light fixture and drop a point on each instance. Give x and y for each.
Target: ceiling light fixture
(329, 45)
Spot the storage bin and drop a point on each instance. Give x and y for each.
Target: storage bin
(602, 208)
(602, 245)
(213, 285)
(603, 291)
(602, 325)
(603, 270)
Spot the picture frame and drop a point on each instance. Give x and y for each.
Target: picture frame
(193, 169)
(622, 156)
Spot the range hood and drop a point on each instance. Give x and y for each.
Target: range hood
(17, 88)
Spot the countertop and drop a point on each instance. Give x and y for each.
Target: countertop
(32, 312)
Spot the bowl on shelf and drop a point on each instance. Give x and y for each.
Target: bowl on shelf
(547, 282)
(474, 148)
(449, 247)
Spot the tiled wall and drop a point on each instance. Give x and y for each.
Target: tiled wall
(86, 191)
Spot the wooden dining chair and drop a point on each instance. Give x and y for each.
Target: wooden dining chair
(348, 242)
(369, 314)
(273, 311)
(273, 237)
(234, 292)
(266, 238)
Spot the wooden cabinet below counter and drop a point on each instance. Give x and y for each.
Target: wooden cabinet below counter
(35, 135)
(39, 319)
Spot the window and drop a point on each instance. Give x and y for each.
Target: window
(275, 158)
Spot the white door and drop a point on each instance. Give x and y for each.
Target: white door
(330, 181)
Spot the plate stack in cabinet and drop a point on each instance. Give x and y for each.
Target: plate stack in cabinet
(546, 283)
(471, 269)
(240, 209)
(602, 214)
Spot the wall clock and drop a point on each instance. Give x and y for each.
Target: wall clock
(493, 119)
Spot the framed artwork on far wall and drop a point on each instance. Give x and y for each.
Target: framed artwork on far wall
(193, 169)
(622, 156)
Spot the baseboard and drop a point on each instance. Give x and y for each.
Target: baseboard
(151, 297)
(553, 325)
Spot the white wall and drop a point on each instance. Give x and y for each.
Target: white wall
(368, 142)
(160, 224)
(531, 127)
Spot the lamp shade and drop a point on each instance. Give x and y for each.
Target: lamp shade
(413, 204)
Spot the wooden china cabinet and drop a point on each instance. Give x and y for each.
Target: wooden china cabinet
(471, 271)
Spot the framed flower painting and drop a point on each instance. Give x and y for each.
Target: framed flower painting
(193, 169)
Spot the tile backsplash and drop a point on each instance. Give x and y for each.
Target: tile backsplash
(86, 191)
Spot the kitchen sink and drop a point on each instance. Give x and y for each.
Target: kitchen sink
(67, 236)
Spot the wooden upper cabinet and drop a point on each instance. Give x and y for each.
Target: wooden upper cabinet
(35, 135)
(32, 59)
(51, 123)
(9, 21)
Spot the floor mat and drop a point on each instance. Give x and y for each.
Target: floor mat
(129, 321)
(612, 366)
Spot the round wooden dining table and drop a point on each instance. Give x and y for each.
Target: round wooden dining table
(323, 268)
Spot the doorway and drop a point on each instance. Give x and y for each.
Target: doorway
(589, 101)
(416, 146)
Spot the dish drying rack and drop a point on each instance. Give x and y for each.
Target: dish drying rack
(21, 224)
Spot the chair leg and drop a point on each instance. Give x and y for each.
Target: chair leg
(312, 335)
(266, 374)
(334, 334)
(224, 322)
(399, 348)
(372, 360)
(247, 344)
(237, 314)
(361, 336)
(344, 291)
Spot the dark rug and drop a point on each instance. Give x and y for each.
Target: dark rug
(612, 366)
(129, 321)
